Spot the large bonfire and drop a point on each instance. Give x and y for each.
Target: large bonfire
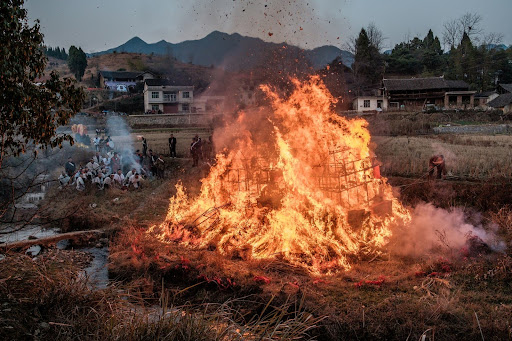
(306, 190)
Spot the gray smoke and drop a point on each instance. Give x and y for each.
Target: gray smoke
(431, 228)
(120, 133)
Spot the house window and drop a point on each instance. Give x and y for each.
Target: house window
(366, 103)
(169, 97)
(186, 94)
(155, 107)
(185, 107)
(379, 103)
(155, 94)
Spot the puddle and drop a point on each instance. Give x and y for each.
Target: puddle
(23, 234)
(97, 271)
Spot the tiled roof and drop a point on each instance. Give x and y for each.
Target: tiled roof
(501, 101)
(424, 84)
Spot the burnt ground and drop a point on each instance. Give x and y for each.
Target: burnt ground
(444, 294)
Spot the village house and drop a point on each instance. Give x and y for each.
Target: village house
(504, 88)
(122, 80)
(162, 97)
(503, 101)
(370, 103)
(419, 93)
(482, 98)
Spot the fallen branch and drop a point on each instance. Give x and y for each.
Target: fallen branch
(50, 240)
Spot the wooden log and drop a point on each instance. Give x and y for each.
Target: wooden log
(22, 244)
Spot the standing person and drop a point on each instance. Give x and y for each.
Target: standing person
(172, 146)
(70, 167)
(160, 167)
(144, 146)
(110, 144)
(97, 142)
(194, 150)
(437, 162)
(152, 161)
(115, 162)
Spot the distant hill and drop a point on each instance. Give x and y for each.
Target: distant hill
(229, 51)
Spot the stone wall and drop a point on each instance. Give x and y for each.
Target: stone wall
(475, 129)
(169, 120)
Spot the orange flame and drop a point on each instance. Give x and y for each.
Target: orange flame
(308, 193)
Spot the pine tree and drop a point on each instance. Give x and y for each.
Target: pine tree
(368, 64)
(77, 62)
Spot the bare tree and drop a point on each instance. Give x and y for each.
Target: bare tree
(470, 23)
(492, 38)
(375, 35)
(454, 29)
(451, 33)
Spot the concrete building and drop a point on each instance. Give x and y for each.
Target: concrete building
(162, 97)
(370, 103)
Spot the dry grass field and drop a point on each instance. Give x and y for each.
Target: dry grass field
(158, 139)
(467, 156)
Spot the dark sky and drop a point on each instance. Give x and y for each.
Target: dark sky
(97, 25)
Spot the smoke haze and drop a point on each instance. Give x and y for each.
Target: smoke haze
(433, 227)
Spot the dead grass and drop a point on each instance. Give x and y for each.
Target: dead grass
(388, 298)
(467, 156)
(48, 300)
(158, 139)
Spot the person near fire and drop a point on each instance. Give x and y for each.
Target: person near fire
(70, 167)
(195, 150)
(437, 163)
(160, 167)
(115, 162)
(172, 146)
(152, 161)
(144, 146)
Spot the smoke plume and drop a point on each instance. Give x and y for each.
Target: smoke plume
(432, 228)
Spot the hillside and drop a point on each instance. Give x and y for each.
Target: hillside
(232, 52)
(181, 73)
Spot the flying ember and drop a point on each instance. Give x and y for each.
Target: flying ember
(298, 183)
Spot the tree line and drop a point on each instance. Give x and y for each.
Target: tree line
(55, 52)
(76, 59)
(469, 55)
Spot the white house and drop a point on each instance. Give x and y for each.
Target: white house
(160, 96)
(370, 103)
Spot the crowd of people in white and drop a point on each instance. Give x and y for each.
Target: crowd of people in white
(105, 171)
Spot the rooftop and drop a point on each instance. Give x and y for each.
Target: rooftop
(507, 87)
(501, 101)
(167, 84)
(424, 84)
(120, 74)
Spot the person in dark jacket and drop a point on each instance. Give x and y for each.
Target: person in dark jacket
(70, 167)
(172, 145)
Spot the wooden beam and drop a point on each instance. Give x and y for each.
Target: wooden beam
(22, 244)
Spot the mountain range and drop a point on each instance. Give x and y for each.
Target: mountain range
(232, 52)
